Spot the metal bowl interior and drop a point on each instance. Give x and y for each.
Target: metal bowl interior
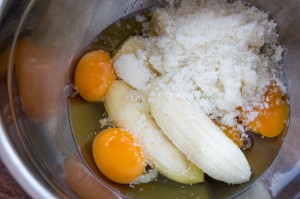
(37, 143)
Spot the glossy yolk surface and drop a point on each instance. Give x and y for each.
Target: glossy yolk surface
(94, 74)
(118, 156)
(270, 121)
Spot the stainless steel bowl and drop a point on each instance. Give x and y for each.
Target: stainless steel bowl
(36, 141)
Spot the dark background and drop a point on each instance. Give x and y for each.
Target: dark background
(9, 188)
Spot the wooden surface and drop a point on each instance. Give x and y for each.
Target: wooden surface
(9, 189)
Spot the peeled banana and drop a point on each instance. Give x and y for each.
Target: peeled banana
(192, 132)
(133, 115)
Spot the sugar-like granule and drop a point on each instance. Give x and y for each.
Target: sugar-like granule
(221, 54)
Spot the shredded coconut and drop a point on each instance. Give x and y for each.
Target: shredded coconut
(221, 54)
(106, 122)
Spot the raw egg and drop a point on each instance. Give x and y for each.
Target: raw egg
(118, 155)
(271, 120)
(232, 133)
(94, 74)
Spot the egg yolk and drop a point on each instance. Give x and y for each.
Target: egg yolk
(94, 74)
(232, 133)
(118, 156)
(271, 120)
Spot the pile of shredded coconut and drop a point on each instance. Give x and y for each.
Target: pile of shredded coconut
(221, 54)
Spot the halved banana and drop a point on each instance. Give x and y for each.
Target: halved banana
(192, 132)
(133, 115)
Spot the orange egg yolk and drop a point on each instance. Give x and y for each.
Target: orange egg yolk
(94, 74)
(118, 156)
(232, 133)
(271, 120)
